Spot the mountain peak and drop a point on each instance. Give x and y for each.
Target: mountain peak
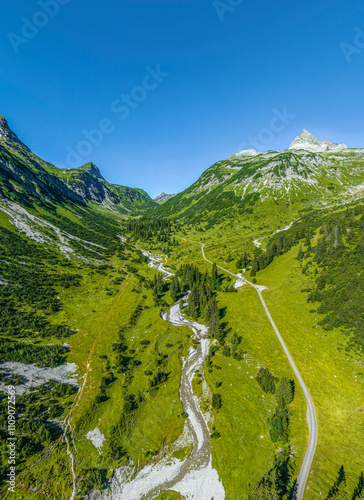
(92, 169)
(163, 197)
(305, 133)
(8, 136)
(305, 140)
(3, 122)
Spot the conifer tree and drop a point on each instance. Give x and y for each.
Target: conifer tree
(341, 492)
(307, 239)
(214, 274)
(359, 490)
(300, 254)
(175, 288)
(264, 490)
(284, 393)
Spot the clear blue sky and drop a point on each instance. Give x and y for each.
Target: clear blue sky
(227, 72)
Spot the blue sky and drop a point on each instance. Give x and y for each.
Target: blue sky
(156, 91)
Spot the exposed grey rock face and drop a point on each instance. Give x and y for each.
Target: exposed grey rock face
(88, 184)
(25, 175)
(92, 169)
(309, 142)
(9, 137)
(163, 197)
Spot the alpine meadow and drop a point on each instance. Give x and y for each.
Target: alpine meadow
(202, 345)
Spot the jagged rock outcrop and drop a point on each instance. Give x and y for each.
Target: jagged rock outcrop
(163, 197)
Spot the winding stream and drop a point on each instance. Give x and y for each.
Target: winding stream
(193, 477)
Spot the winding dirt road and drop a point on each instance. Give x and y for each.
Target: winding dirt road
(311, 414)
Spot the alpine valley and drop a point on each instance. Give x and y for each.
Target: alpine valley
(203, 345)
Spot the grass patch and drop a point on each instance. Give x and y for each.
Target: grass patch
(330, 372)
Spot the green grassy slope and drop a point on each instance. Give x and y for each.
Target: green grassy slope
(83, 293)
(108, 304)
(330, 361)
(234, 186)
(330, 372)
(245, 451)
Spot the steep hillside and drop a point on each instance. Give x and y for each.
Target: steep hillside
(81, 337)
(93, 339)
(310, 174)
(29, 180)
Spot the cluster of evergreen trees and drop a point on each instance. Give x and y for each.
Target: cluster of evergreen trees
(266, 380)
(243, 262)
(279, 244)
(35, 414)
(146, 229)
(279, 424)
(284, 394)
(202, 298)
(231, 348)
(277, 483)
(338, 251)
(158, 287)
(29, 297)
(339, 491)
(339, 254)
(25, 352)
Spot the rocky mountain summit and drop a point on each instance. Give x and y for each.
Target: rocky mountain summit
(163, 197)
(309, 142)
(308, 174)
(26, 178)
(8, 137)
(92, 169)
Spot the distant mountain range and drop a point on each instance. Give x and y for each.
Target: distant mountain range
(308, 174)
